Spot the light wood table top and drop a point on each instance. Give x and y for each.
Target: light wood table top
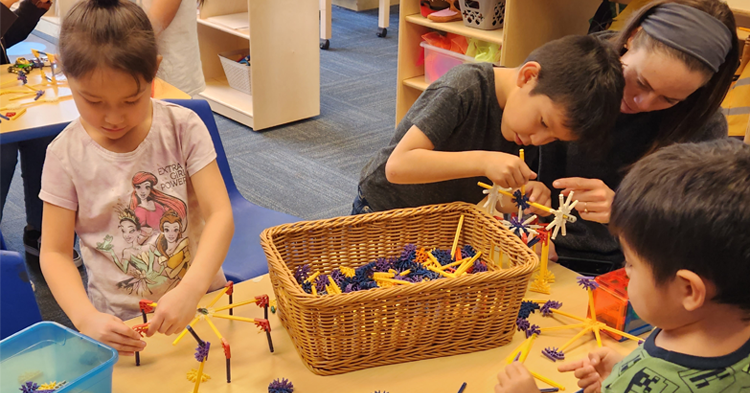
(254, 367)
(740, 7)
(61, 112)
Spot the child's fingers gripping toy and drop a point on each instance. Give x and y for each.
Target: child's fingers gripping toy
(206, 314)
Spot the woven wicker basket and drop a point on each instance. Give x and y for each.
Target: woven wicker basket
(339, 333)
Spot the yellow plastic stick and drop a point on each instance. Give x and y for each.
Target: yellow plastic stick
(227, 307)
(564, 327)
(521, 156)
(333, 285)
(440, 272)
(218, 296)
(576, 337)
(213, 327)
(184, 331)
(545, 260)
(592, 308)
(200, 376)
(615, 331)
(455, 239)
(312, 277)
(232, 317)
(598, 336)
(18, 113)
(547, 381)
(556, 311)
(457, 263)
(465, 266)
(515, 352)
(392, 281)
(527, 348)
(433, 259)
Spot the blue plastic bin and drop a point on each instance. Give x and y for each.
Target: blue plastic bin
(51, 352)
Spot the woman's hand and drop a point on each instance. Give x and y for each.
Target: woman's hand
(594, 197)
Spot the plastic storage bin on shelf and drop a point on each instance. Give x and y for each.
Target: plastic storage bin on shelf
(47, 352)
(483, 14)
(613, 307)
(438, 61)
(238, 74)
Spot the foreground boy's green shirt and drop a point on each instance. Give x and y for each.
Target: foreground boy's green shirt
(650, 369)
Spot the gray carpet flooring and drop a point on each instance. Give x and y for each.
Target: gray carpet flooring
(310, 168)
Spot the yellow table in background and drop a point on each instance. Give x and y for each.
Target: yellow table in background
(50, 118)
(164, 366)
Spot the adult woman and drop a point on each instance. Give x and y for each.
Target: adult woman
(679, 57)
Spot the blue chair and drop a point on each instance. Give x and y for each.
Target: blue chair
(18, 308)
(245, 258)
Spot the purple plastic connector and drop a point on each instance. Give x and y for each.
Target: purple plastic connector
(201, 352)
(553, 354)
(587, 282)
(532, 330)
(546, 308)
(29, 387)
(282, 385)
(522, 324)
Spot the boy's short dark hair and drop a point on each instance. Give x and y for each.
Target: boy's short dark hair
(687, 206)
(584, 75)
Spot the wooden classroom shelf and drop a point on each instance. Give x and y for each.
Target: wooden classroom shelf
(417, 82)
(458, 27)
(528, 25)
(285, 74)
(283, 41)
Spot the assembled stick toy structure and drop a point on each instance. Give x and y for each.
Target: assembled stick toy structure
(206, 313)
(589, 324)
(528, 228)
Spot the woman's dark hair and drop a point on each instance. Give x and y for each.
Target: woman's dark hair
(684, 121)
(111, 33)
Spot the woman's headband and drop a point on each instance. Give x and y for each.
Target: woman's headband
(690, 30)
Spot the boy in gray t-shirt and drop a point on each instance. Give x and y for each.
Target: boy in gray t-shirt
(469, 124)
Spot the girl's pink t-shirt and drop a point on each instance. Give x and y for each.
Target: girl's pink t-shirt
(119, 236)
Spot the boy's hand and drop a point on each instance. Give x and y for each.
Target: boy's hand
(110, 330)
(507, 170)
(515, 379)
(174, 311)
(540, 194)
(593, 370)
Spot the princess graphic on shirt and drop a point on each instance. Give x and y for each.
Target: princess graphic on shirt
(149, 204)
(174, 249)
(136, 260)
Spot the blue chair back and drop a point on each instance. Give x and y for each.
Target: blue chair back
(245, 258)
(18, 308)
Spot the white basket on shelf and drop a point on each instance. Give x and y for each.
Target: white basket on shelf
(483, 14)
(238, 74)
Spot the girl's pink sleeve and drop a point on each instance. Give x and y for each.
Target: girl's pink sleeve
(57, 185)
